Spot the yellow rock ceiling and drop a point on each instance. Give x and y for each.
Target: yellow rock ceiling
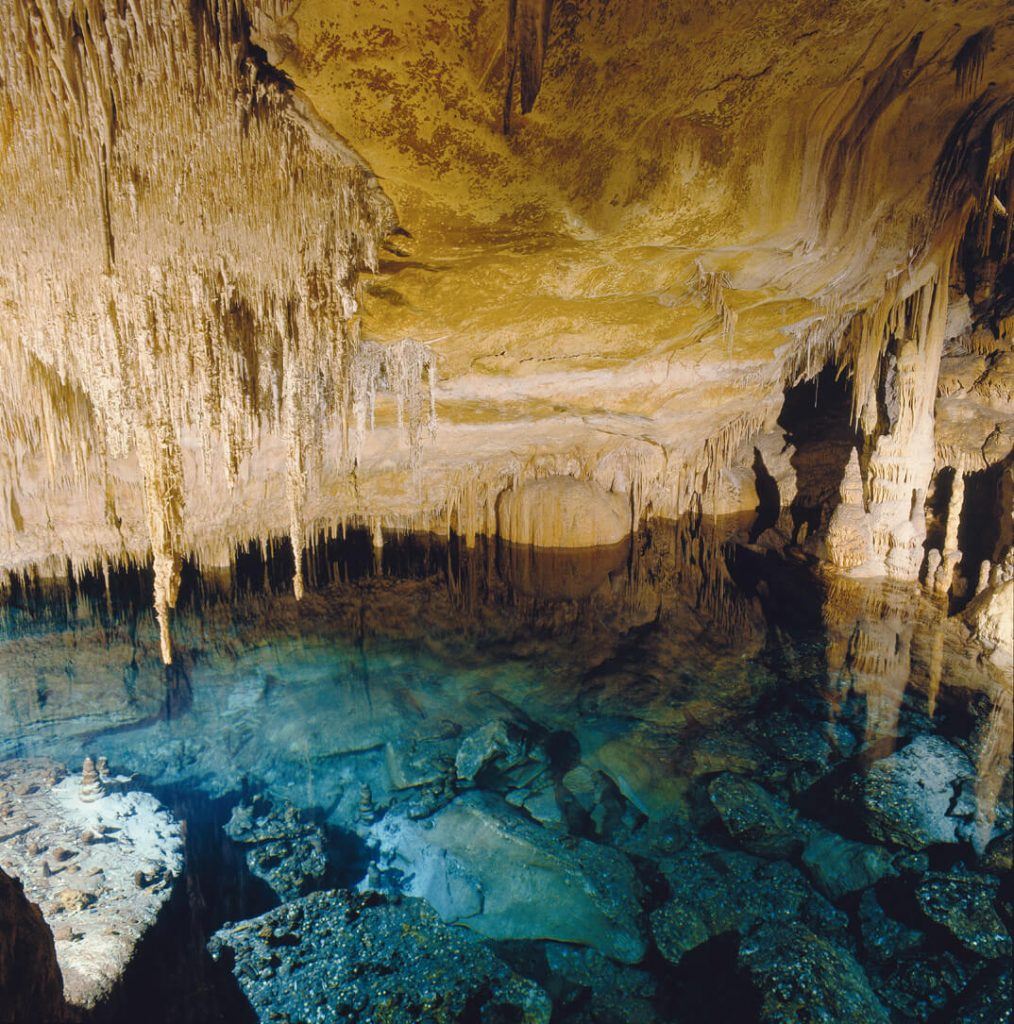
(619, 287)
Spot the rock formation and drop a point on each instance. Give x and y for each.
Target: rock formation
(100, 869)
(337, 957)
(31, 988)
(217, 330)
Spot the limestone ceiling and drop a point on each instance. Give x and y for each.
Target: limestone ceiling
(699, 199)
(788, 145)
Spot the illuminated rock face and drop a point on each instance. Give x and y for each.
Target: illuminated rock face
(561, 512)
(624, 231)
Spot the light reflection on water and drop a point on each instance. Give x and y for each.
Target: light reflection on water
(659, 665)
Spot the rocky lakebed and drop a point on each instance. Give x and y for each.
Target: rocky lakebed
(441, 792)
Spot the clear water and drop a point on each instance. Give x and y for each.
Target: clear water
(654, 670)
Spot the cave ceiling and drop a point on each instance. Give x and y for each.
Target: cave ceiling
(584, 237)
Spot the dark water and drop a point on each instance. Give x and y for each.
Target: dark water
(714, 716)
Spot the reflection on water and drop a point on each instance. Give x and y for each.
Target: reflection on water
(667, 705)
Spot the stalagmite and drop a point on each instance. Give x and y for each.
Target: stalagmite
(984, 571)
(850, 531)
(91, 783)
(950, 555)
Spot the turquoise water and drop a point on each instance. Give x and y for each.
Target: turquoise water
(676, 781)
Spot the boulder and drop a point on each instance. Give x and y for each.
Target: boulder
(910, 797)
(804, 979)
(714, 892)
(498, 744)
(332, 957)
(481, 863)
(283, 850)
(921, 986)
(839, 866)
(963, 903)
(756, 820)
(543, 806)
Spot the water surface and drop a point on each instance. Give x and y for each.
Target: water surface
(651, 689)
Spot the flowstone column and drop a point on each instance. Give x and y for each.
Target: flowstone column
(902, 458)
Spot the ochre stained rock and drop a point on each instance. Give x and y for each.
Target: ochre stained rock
(561, 512)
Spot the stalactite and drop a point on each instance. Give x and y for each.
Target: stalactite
(970, 61)
(711, 286)
(138, 279)
(160, 459)
(527, 38)
(407, 371)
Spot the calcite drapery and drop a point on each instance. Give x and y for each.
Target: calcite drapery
(149, 300)
(619, 290)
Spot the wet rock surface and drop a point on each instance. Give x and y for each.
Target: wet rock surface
(335, 956)
(964, 904)
(285, 851)
(922, 985)
(804, 979)
(756, 820)
(715, 891)
(840, 866)
(481, 863)
(597, 989)
(913, 797)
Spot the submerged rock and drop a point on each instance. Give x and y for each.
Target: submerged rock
(288, 853)
(963, 904)
(498, 744)
(839, 866)
(483, 864)
(804, 979)
(989, 998)
(714, 892)
(919, 986)
(884, 938)
(998, 857)
(758, 821)
(334, 956)
(911, 797)
(610, 994)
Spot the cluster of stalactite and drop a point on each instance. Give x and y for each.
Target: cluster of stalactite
(148, 302)
(892, 353)
(407, 371)
(711, 286)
